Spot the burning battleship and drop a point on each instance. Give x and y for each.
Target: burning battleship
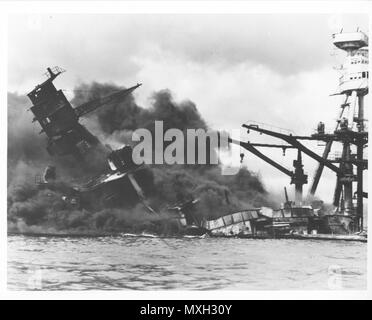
(115, 182)
(67, 136)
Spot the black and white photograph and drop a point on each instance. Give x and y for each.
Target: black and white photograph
(165, 151)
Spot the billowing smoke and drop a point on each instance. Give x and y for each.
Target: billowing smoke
(118, 118)
(31, 209)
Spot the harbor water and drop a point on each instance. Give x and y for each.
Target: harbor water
(129, 262)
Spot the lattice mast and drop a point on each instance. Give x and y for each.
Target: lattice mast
(350, 126)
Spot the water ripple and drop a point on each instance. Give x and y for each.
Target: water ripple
(131, 262)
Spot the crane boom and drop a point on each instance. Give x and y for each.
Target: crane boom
(97, 103)
(249, 147)
(294, 142)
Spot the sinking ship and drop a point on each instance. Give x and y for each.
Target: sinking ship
(115, 184)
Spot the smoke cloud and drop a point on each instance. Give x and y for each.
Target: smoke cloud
(34, 210)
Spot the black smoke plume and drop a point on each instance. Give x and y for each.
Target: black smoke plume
(33, 210)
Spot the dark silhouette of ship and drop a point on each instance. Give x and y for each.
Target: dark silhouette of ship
(116, 184)
(66, 136)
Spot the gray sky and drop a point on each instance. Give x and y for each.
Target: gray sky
(276, 69)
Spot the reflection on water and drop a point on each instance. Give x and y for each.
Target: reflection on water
(151, 263)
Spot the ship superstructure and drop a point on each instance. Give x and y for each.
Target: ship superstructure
(60, 121)
(114, 182)
(66, 136)
(350, 129)
(350, 132)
